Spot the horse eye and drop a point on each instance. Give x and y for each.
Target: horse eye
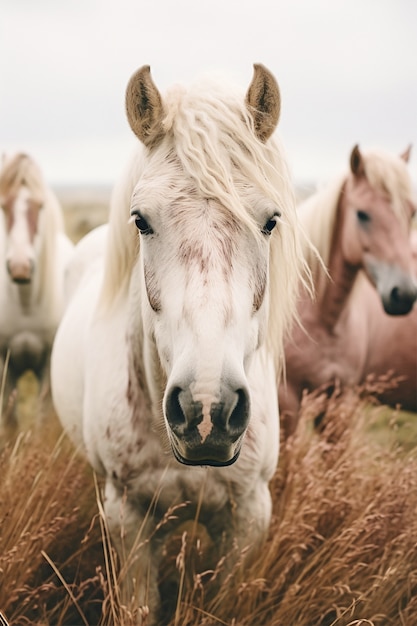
(142, 225)
(270, 224)
(363, 216)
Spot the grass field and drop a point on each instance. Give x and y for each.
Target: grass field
(342, 546)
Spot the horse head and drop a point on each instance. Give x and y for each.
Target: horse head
(378, 209)
(21, 196)
(207, 215)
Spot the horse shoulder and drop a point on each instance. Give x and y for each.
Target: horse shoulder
(79, 258)
(68, 358)
(110, 436)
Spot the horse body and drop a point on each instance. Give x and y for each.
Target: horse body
(35, 251)
(364, 309)
(166, 359)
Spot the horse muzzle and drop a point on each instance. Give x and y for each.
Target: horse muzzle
(20, 272)
(399, 301)
(204, 432)
(397, 288)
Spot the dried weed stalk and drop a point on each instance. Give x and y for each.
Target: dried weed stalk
(342, 549)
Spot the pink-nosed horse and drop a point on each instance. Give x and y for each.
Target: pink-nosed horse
(363, 320)
(164, 366)
(34, 251)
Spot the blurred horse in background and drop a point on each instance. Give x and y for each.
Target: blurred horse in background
(393, 346)
(363, 321)
(34, 251)
(167, 356)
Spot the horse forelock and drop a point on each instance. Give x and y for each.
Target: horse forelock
(20, 170)
(388, 173)
(211, 136)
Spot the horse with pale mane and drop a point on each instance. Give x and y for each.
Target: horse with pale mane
(164, 367)
(363, 321)
(34, 251)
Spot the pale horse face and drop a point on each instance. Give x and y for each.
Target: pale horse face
(379, 241)
(204, 286)
(22, 216)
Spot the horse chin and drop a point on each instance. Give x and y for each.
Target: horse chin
(204, 457)
(22, 281)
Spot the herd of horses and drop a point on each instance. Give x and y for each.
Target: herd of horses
(167, 332)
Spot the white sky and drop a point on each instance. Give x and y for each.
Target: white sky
(347, 70)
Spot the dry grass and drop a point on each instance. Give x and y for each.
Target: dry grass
(46, 508)
(342, 548)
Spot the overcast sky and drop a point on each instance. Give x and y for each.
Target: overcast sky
(347, 70)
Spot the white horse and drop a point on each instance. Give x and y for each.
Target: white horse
(167, 357)
(34, 251)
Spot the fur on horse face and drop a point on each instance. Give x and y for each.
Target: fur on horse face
(22, 217)
(205, 280)
(378, 241)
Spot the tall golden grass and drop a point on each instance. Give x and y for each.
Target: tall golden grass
(342, 548)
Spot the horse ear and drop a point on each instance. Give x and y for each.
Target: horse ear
(406, 154)
(356, 162)
(144, 107)
(263, 101)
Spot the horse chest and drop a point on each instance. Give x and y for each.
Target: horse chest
(328, 354)
(20, 313)
(154, 482)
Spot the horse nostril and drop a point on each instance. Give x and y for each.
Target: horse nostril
(239, 417)
(401, 300)
(395, 294)
(173, 410)
(232, 415)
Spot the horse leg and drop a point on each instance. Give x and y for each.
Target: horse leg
(46, 408)
(245, 529)
(252, 519)
(139, 561)
(8, 394)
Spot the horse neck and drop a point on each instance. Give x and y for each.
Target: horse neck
(24, 297)
(47, 287)
(342, 274)
(41, 296)
(27, 298)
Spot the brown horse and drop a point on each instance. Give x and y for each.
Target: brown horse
(362, 320)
